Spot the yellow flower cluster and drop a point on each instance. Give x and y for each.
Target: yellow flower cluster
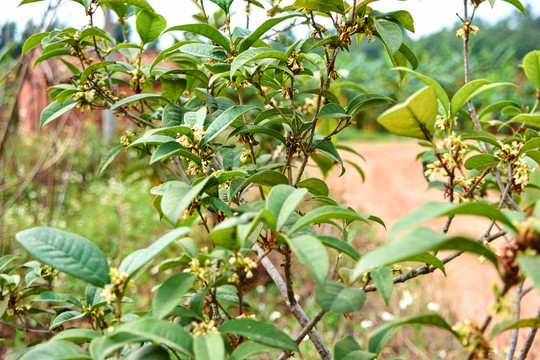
(194, 147)
(206, 273)
(204, 328)
(244, 263)
(115, 290)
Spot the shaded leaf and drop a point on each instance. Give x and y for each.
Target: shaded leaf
(171, 292)
(384, 280)
(312, 254)
(335, 297)
(259, 331)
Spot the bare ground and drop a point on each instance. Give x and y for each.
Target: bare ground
(393, 187)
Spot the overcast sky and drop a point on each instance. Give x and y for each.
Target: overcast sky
(429, 15)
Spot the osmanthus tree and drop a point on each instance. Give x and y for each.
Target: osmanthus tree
(236, 120)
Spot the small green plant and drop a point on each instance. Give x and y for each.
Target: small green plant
(236, 120)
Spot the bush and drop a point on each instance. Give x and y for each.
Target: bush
(235, 119)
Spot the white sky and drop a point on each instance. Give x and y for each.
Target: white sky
(429, 15)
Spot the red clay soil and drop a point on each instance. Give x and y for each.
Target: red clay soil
(393, 187)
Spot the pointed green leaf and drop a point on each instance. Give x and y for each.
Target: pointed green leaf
(54, 110)
(136, 97)
(137, 259)
(109, 157)
(149, 25)
(65, 317)
(33, 41)
(325, 214)
(224, 120)
(317, 61)
(205, 30)
(258, 129)
(315, 186)
(481, 162)
(332, 111)
(335, 297)
(55, 350)
(517, 324)
(377, 342)
(414, 118)
(249, 349)
(531, 65)
(261, 30)
(527, 119)
(282, 201)
(531, 267)
(391, 34)
(150, 352)
(171, 292)
(384, 280)
(76, 335)
(172, 148)
(312, 254)
(321, 5)
(433, 209)
(260, 332)
(143, 4)
(416, 242)
(209, 347)
(435, 86)
(518, 5)
(365, 101)
(67, 252)
(339, 245)
(256, 54)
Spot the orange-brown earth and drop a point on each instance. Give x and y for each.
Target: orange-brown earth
(393, 187)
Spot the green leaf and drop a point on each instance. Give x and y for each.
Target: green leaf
(148, 329)
(205, 30)
(433, 209)
(518, 5)
(172, 148)
(149, 25)
(530, 145)
(109, 157)
(261, 30)
(390, 33)
(136, 97)
(384, 280)
(248, 349)
(33, 41)
(173, 115)
(481, 162)
(225, 5)
(404, 17)
(209, 347)
(178, 196)
(51, 296)
(339, 245)
(139, 3)
(427, 258)
(258, 129)
(97, 32)
(470, 91)
(55, 350)
(531, 65)
(517, 324)
(321, 5)
(150, 352)
(530, 266)
(335, 297)
(76, 335)
(318, 61)
(67, 252)
(260, 332)
(365, 101)
(377, 342)
(94, 67)
(137, 259)
(53, 53)
(224, 120)
(266, 177)
(416, 242)
(325, 214)
(172, 89)
(256, 54)
(527, 119)
(312, 254)
(435, 86)
(414, 118)
(332, 111)
(345, 346)
(496, 106)
(54, 110)
(170, 292)
(481, 136)
(315, 186)
(65, 317)
(282, 201)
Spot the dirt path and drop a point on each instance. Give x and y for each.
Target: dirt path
(394, 186)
